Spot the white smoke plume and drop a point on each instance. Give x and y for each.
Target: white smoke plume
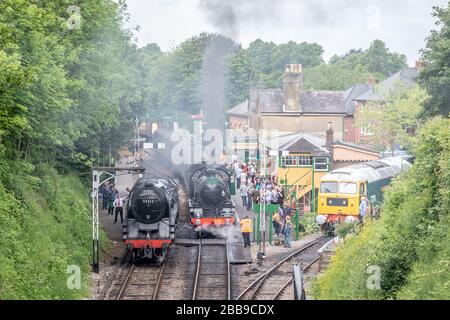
(230, 233)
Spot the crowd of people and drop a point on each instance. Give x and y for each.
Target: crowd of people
(256, 189)
(111, 200)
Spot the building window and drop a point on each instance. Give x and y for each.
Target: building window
(296, 161)
(367, 129)
(321, 164)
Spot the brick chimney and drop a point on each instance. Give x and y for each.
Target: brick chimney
(371, 81)
(419, 64)
(292, 86)
(329, 140)
(329, 135)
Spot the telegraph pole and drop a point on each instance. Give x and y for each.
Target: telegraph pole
(136, 136)
(262, 212)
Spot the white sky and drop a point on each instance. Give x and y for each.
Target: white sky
(337, 25)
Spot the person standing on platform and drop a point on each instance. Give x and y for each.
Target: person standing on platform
(287, 232)
(238, 172)
(362, 208)
(118, 205)
(267, 193)
(246, 229)
(276, 222)
(280, 195)
(110, 204)
(249, 196)
(244, 191)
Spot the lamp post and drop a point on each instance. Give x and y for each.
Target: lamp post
(136, 140)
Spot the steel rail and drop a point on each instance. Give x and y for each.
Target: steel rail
(229, 293)
(287, 283)
(257, 284)
(117, 267)
(197, 272)
(158, 282)
(125, 283)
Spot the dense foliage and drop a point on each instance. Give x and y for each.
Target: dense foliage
(69, 93)
(355, 67)
(393, 120)
(66, 94)
(172, 79)
(411, 242)
(435, 76)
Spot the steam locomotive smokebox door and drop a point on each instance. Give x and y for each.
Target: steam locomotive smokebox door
(149, 205)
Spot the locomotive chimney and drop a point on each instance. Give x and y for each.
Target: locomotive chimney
(292, 86)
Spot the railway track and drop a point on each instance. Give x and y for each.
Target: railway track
(135, 282)
(272, 284)
(213, 273)
(283, 292)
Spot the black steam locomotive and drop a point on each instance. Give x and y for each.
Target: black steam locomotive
(152, 213)
(210, 202)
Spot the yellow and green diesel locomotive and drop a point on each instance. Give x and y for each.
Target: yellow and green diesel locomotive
(341, 189)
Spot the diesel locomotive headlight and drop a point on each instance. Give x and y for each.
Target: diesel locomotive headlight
(227, 221)
(197, 222)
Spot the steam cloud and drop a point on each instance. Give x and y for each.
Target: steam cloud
(228, 15)
(230, 233)
(214, 75)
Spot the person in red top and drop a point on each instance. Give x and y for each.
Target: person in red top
(118, 205)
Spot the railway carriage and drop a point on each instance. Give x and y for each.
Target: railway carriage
(341, 189)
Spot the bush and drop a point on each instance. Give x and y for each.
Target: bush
(410, 242)
(44, 228)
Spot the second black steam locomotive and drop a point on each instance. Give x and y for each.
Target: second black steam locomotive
(210, 202)
(152, 213)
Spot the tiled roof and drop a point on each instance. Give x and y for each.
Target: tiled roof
(239, 110)
(300, 142)
(271, 101)
(405, 77)
(351, 93)
(355, 146)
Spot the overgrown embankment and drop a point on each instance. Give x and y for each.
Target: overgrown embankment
(410, 244)
(69, 93)
(45, 235)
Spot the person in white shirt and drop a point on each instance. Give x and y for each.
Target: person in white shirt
(268, 196)
(118, 205)
(243, 177)
(234, 157)
(244, 191)
(238, 172)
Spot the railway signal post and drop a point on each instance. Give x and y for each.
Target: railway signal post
(97, 172)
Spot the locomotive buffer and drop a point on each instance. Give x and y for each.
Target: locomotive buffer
(97, 172)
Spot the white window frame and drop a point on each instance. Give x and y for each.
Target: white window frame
(322, 163)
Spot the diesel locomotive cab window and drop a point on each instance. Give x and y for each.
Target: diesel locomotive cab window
(328, 187)
(347, 187)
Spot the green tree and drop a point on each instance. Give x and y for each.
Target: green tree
(410, 242)
(435, 76)
(392, 120)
